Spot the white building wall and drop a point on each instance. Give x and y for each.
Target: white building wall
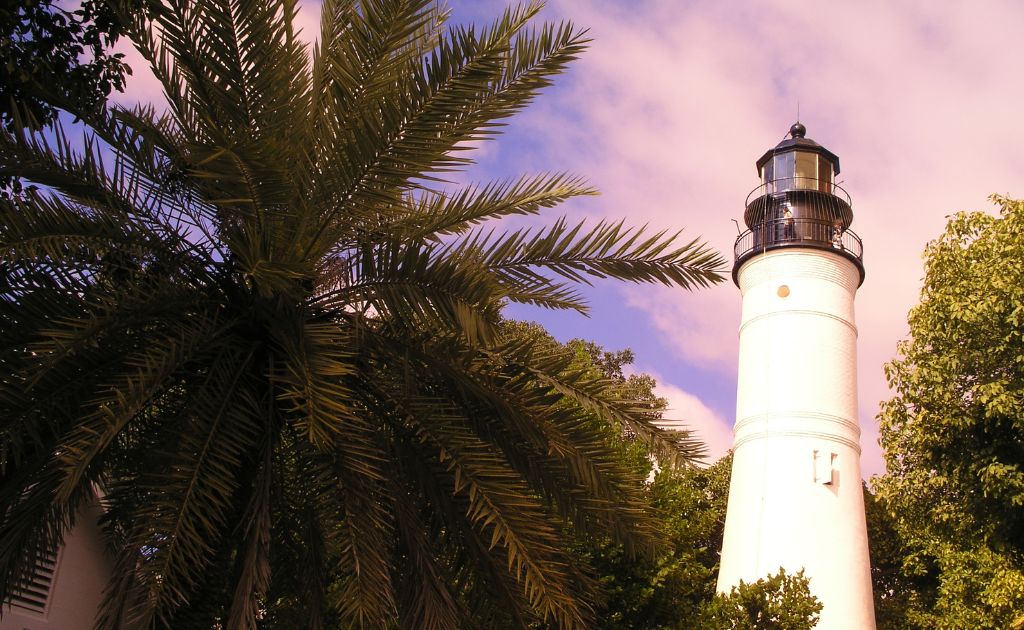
(795, 497)
(83, 569)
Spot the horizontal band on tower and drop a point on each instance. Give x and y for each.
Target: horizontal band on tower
(848, 323)
(851, 425)
(826, 266)
(764, 435)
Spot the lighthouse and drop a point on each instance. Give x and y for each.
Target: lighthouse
(795, 498)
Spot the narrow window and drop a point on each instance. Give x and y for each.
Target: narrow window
(824, 464)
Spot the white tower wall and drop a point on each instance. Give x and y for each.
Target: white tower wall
(795, 497)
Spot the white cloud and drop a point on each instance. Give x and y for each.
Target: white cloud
(694, 325)
(712, 429)
(687, 411)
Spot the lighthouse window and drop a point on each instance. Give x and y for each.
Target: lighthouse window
(824, 174)
(783, 171)
(806, 170)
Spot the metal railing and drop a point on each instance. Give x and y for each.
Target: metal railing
(790, 184)
(797, 232)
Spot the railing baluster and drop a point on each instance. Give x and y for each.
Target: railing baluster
(796, 231)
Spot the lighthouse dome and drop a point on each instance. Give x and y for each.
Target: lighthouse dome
(798, 142)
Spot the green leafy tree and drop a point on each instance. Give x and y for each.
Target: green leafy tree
(262, 329)
(954, 432)
(669, 590)
(895, 591)
(54, 58)
(778, 602)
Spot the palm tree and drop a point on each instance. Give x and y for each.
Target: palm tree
(264, 332)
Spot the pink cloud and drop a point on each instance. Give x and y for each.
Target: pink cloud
(692, 324)
(142, 87)
(676, 102)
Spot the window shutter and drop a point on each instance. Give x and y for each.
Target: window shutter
(34, 594)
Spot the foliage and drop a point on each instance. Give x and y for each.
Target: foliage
(954, 432)
(668, 591)
(676, 588)
(894, 591)
(778, 602)
(270, 335)
(53, 58)
(636, 387)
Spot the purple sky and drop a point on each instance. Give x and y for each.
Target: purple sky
(673, 103)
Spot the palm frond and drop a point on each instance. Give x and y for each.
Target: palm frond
(125, 394)
(447, 101)
(312, 381)
(608, 250)
(35, 516)
(425, 599)
(501, 505)
(189, 505)
(413, 286)
(361, 527)
(543, 438)
(254, 557)
(437, 214)
(672, 447)
(361, 52)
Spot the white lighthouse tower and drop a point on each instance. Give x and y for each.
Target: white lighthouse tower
(795, 498)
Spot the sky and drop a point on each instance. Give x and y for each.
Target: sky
(672, 104)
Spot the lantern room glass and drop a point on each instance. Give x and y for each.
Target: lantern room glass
(824, 174)
(805, 175)
(798, 170)
(783, 165)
